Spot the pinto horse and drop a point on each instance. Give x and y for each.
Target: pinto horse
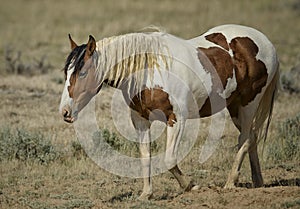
(230, 66)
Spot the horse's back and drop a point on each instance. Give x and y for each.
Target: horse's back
(241, 63)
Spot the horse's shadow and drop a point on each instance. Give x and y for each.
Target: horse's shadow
(169, 196)
(274, 183)
(122, 197)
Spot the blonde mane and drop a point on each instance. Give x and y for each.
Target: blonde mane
(122, 56)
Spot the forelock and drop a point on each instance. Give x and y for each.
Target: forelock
(76, 58)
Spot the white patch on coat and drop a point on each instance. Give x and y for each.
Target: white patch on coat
(230, 87)
(65, 98)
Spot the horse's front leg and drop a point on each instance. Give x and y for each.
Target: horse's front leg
(146, 167)
(174, 135)
(142, 127)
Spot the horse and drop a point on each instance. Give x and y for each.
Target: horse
(229, 66)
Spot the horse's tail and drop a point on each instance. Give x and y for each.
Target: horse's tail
(265, 107)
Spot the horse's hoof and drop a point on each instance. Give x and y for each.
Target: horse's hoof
(145, 196)
(196, 187)
(191, 187)
(229, 186)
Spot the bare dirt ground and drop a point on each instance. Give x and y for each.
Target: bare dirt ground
(80, 183)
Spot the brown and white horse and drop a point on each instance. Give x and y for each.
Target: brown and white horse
(230, 66)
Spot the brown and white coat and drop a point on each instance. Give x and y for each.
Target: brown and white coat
(230, 66)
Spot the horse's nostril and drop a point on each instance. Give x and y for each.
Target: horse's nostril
(65, 113)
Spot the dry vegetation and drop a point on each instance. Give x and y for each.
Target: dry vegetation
(43, 166)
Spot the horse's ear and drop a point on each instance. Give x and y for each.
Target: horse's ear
(90, 47)
(73, 44)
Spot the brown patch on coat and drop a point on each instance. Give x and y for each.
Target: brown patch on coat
(251, 74)
(222, 65)
(219, 39)
(154, 99)
(219, 64)
(72, 81)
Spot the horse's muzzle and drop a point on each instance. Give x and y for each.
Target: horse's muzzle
(69, 119)
(67, 115)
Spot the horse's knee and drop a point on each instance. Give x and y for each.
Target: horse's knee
(170, 162)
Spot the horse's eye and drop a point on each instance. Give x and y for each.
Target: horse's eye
(82, 74)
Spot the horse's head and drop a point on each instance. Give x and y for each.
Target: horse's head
(80, 79)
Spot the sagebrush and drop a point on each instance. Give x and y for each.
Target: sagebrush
(26, 146)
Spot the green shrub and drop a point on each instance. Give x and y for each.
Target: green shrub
(286, 146)
(110, 141)
(26, 146)
(77, 150)
(115, 142)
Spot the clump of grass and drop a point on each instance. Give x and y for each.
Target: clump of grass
(290, 80)
(26, 146)
(117, 143)
(113, 140)
(286, 146)
(79, 203)
(77, 150)
(291, 204)
(16, 65)
(104, 141)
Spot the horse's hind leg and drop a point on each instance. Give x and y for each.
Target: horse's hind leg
(254, 162)
(235, 170)
(174, 134)
(243, 119)
(249, 145)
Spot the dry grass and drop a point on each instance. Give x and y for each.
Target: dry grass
(39, 28)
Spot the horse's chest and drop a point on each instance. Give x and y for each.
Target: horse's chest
(154, 104)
